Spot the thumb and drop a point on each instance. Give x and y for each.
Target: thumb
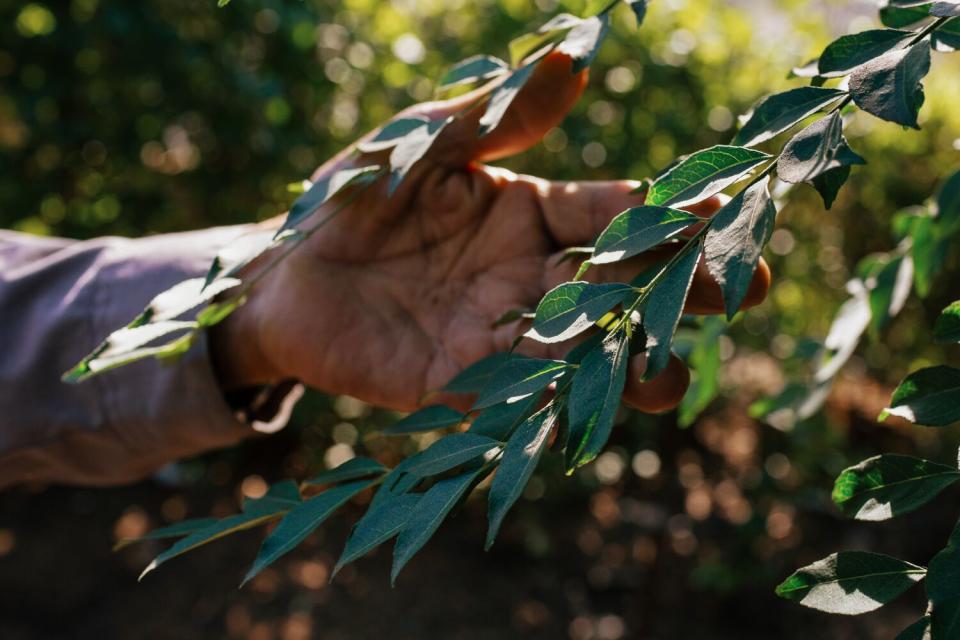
(542, 103)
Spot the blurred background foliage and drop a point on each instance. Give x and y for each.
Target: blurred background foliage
(147, 117)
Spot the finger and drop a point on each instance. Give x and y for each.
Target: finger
(705, 297)
(575, 213)
(540, 105)
(663, 393)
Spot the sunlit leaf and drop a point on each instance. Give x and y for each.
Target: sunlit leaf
(301, 521)
(551, 31)
(850, 51)
(777, 113)
(664, 307)
(449, 452)
(889, 86)
(326, 188)
(411, 148)
(850, 582)
(735, 240)
(595, 398)
(426, 517)
(929, 397)
(583, 41)
(380, 523)
(391, 134)
(426, 419)
(815, 150)
(893, 283)
(520, 458)
(518, 378)
(474, 69)
(889, 485)
(503, 97)
(499, 421)
(945, 9)
(703, 174)
(947, 328)
(638, 229)
(352, 469)
(573, 307)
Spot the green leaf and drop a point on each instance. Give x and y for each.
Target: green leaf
(943, 590)
(703, 174)
(889, 294)
(475, 377)
(889, 86)
(391, 134)
(352, 469)
(928, 397)
(520, 458)
(816, 149)
(948, 204)
(897, 17)
(449, 452)
(850, 582)
(664, 307)
(279, 499)
(705, 363)
(929, 251)
(850, 51)
(380, 523)
(519, 378)
(325, 189)
(182, 528)
(947, 328)
(426, 517)
(300, 522)
(638, 229)
(919, 630)
(735, 240)
(411, 148)
(550, 32)
(583, 41)
(498, 421)
(503, 97)
(639, 9)
(889, 485)
(946, 39)
(829, 183)
(595, 398)
(474, 69)
(429, 418)
(777, 113)
(571, 308)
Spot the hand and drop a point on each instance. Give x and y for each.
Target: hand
(395, 296)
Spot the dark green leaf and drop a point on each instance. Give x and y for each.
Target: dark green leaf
(326, 188)
(639, 9)
(637, 230)
(943, 590)
(889, 485)
(705, 363)
(583, 41)
(887, 297)
(663, 308)
(850, 51)
(929, 251)
(919, 630)
(449, 452)
(427, 419)
(498, 421)
(816, 149)
(352, 469)
(735, 240)
(519, 378)
(503, 97)
(380, 523)
(889, 86)
(829, 183)
(703, 174)
(279, 499)
(474, 69)
(426, 517)
(929, 397)
(411, 148)
(946, 39)
(595, 398)
(520, 458)
(391, 134)
(182, 528)
(475, 377)
(300, 522)
(850, 582)
(571, 308)
(897, 18)
(777, 113)
(948, 204)
(947, 328)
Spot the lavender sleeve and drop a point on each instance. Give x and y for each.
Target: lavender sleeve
(58, 300)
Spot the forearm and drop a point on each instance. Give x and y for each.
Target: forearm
(58, 300)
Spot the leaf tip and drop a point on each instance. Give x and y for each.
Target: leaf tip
(150, 567)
